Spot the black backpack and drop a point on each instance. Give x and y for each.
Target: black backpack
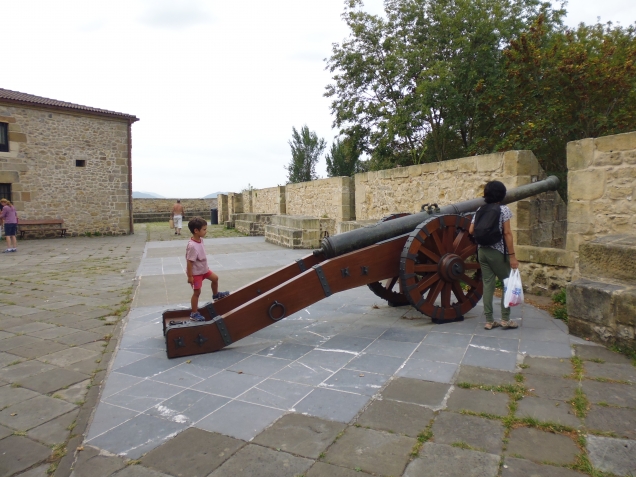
(486, 230)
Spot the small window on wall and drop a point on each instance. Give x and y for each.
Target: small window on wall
(80, 163)
(4, 137)
(5, 191)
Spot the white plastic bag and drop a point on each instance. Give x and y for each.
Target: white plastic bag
(513, 291)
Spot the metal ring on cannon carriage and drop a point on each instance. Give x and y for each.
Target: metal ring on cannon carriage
(271, 308)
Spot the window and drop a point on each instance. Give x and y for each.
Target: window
(4, 137)
(80, 163)
(5, 192)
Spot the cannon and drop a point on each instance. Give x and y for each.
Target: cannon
(427, 260)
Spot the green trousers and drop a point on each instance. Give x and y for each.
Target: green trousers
(494, 264)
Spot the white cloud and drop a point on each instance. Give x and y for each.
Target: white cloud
(178, 14)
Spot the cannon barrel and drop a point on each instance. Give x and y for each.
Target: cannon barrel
(363, 237)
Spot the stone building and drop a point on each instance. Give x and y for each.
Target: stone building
(68, 161)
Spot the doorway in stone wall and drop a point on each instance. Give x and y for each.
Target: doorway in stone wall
(5, 192)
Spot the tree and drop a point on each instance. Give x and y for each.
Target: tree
(344, 158)
(407, 85)
(306, 149)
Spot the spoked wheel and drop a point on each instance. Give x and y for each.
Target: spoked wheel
(386, 289)
(439, 271)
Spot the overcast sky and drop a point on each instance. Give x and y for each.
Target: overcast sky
(217, 85)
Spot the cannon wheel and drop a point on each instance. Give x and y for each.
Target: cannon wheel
(438, 261)
(385, 290)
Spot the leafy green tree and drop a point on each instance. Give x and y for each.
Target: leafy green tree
(306, 148)
(343, 159)
(562, 86)
(408, 85)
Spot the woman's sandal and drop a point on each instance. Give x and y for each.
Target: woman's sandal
(509, 325)
(490, 325)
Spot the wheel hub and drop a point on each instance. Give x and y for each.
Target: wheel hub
(451, 267)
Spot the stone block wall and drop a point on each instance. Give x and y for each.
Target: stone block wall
(328, 198)
(601, 188)
(269, 201)
(165, 205)
(72, 166)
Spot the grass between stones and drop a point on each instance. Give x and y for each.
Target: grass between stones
(579, 403)
(160, 231)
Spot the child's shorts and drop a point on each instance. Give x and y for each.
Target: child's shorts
(10, 230)
(198, 280)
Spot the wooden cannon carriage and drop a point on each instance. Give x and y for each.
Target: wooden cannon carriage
(427, 260)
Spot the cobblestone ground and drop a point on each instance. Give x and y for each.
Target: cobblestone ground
(61, 301)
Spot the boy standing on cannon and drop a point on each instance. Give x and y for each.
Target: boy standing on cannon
(197, 268)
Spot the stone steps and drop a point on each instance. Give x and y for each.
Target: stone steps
(602, 303)
(294, 231)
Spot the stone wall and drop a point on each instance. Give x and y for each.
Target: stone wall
(601, 188)
(165, 205)
(328, 198)
(72, 166)
(269, 201)
(221, 203)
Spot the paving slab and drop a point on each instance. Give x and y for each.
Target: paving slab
(476, 375)
(305, 436)
(484, 435)
(321, 469)
(31, 413)
(55, 431)
(612, 455)
(441, 459)
(97, 466)
(623, 395)
(551, 387)
(198, 451)
(10, 395)
(477, 400)
(257, 461)
(397, 417)
(36, 350)
(621, 421)
(20, 453)
(139, 471)
(332, 405)
(52, 380)
(618, 372)
(524, 468)
(135, 437)
(416, 391)
(371, 451)
(40, 471)
(5, 432)
(587, 353)
(557, 367)
(540, 446)
(68, 356)
(548, 410)
(240, 420)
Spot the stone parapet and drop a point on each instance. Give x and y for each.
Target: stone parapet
(601, 188)
(269, 201)
(343, 227)
(612, 257)
(331, 198)
(141, 217)
(165, 205)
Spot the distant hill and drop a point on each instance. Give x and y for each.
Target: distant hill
(213, 195)
(146, 195)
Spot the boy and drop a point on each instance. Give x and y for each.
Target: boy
(198, 267)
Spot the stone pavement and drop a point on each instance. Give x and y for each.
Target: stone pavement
(60, 302)
(350, 386)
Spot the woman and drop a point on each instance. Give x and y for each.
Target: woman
(9, 218)
(497, 259)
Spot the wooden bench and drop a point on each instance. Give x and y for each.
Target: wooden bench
(25, 226)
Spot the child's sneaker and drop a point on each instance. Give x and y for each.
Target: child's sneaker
(220, 295)
(197, 316)
(7, 250)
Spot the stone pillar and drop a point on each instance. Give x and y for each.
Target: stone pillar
(222, 205)
(281, 204)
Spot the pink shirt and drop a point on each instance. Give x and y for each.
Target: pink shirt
(195, 253)
(9, 215)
